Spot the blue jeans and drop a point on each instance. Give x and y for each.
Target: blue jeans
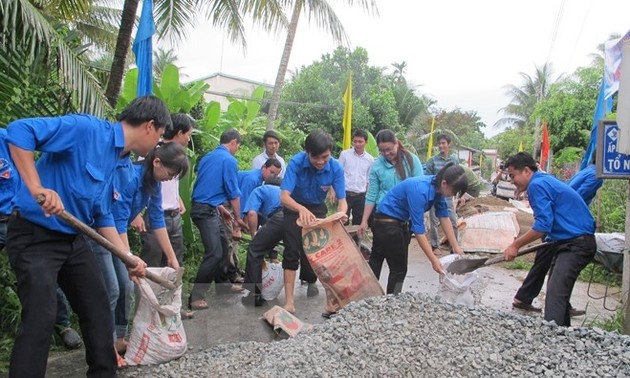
(117, 281)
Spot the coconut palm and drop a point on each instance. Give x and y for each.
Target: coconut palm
(162, 58)
(173, 19)
(524, 100)
(39, 35)
(325, 17)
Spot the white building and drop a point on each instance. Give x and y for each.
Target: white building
(223, 86)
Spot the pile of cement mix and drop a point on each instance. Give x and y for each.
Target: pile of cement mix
(413, 335)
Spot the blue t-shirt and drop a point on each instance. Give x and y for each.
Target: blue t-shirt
(264, 200)
(410, 199)
(309, 186)
(9, 176)
(217, 178)
(134, 198)
(559, 211)
(247, 182)
(79, 155)
(586, 183)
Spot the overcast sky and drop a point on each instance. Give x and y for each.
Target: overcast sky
(461, 53)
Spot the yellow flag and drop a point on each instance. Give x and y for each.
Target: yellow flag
(347, 115)
(520, 147)
(430, 149)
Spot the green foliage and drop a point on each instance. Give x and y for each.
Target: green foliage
(609, 206)
(312, 99)
(568, 109)
(508, 142)
(9, 311)
(179, 98)
(611, 324)
(519, 263)
(599, 274)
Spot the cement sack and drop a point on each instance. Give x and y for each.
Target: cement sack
(338, 263)
(157, 335)
(456, 288)
(283, 321)
(272, 281)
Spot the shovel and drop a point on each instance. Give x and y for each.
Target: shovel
(462, 266)
(126, 259)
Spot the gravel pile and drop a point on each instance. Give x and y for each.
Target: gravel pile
(413, 335)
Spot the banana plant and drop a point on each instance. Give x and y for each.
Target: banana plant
(178, 98)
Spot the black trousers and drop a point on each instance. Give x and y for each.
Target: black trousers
(41, 258)
(569, 260)
(294, 255)
(267, 237)
(535, 279)
(390, 243)
(356, 204)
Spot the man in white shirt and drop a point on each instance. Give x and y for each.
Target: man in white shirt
(271, 141)
(356, 163)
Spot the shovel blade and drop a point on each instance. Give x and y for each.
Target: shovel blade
(463, 266)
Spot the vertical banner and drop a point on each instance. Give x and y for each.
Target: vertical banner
(544, 151)
(623, 102)
(143, 49)
(603, 105)
(430, 148)
(613, 54)
(347, 115)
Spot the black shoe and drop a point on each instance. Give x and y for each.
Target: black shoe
(575, 312)
(253, 300)
(312, 290)
(69, 337)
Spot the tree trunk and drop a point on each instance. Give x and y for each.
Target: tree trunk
(284, 64)
(536, 147)
(120, 53)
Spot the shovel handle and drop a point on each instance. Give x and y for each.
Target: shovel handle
(521, 252)
(126, 258)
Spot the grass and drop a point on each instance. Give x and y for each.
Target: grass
(518, 263)
(600, 274)
(612, 324)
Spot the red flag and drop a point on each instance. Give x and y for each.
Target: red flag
(544, 153)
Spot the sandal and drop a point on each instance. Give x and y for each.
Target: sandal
(328, 314)
(525, 306)
(120, 362)
(199, 304)
(187, 314)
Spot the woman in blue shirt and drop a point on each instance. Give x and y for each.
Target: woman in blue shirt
(408, 201)
(394, 165)
(143, 190)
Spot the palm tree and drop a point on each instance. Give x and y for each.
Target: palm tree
(33, 38)
(161, 58)
(174, 17)
(326, 18)
(399, 72)
(524, 100)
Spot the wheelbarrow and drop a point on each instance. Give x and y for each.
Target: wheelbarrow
(612, 261)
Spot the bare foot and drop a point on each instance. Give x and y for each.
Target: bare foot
(120, 345)
(289, 307)
(437, 252)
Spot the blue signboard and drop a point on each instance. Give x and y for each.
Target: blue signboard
(610, 163)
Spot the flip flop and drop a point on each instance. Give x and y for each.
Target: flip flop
(187, 314)
(120, 362)
(199, 304)
(526, 307)
(328, 314)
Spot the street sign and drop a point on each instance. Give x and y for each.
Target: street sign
(610, 164)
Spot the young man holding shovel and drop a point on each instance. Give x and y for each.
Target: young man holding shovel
(562, 217)
(74, 171)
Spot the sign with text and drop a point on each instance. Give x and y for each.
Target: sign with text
(610, 163)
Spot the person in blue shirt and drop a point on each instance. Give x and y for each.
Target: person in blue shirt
(264, 202)
(217, 182)
(163, 163)
(172, 203)
(560, 216)
(309, 175)
(408, 201)
(9, 184)
(586, 184)
(253, 178)
(79, 154)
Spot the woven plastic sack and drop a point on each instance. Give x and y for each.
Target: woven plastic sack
(157, 335)
(456, 288)
(272, 281)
